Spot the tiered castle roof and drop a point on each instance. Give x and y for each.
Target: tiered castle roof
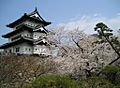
(33, 17)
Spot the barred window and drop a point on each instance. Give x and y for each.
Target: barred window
(18, 49)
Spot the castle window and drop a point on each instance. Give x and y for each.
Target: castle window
(10, 51)
(17, 49)
(27, 35)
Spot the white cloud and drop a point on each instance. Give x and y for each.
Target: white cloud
(118, 14)
(87, 23)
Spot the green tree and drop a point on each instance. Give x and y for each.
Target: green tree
(105, 34)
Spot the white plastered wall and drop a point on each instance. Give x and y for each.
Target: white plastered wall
(37, 35)
(41, 49)
(24, 33)
(24, 48)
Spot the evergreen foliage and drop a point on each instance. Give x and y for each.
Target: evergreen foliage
(112, 73)
(64, 81)
(54, 81)
(105, 35)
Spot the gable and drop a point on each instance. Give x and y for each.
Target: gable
(35, 15)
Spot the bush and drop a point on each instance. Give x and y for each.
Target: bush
(64, 81)
(54, 81)
(112, 73)
(95, 82)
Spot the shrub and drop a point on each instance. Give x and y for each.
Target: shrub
(112, 73)
(64, 81)
(54, 81)
(95, 82)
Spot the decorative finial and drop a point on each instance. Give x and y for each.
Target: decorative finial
(35, 8)
(25, 14)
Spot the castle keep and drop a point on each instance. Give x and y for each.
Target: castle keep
(29, 35)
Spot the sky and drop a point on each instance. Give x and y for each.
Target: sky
(70, 13)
